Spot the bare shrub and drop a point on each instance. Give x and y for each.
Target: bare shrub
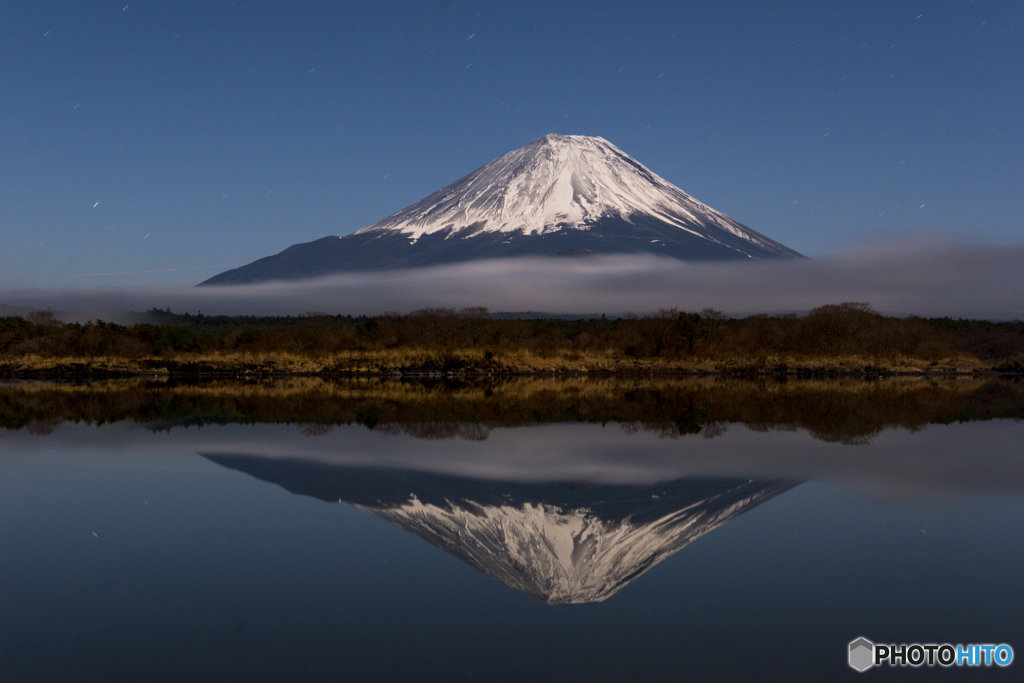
(43, 319)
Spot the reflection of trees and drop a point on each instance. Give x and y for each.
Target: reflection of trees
(44, 427)
(847, 411)
(317, 429)
(469, 431)
(713, 429)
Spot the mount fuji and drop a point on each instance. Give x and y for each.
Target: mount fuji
(559, 195)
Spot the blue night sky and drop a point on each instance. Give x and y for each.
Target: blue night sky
(221, 131)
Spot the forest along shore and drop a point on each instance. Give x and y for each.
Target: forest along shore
(834, 340)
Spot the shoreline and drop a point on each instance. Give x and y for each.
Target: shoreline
(843, 410)
(462, 364)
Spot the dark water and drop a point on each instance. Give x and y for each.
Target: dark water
(190, 548)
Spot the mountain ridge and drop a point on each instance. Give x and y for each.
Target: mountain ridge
(560, 193)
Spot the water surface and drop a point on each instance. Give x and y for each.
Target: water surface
(667, 530)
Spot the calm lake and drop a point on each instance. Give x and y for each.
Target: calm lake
(529, 530)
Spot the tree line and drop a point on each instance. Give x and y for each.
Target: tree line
(834, 330)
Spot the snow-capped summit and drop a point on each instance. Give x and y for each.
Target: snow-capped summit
(561, 193)
(554, 183)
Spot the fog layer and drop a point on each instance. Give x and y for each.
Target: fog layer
(911, 277)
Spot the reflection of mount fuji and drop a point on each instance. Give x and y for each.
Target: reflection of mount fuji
(560, 543)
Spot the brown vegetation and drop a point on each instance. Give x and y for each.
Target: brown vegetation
(835, 339)
(844, 410)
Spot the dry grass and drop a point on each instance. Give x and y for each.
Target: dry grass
(414, 362)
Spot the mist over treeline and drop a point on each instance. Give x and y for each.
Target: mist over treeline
(899, 278)
(849, 328)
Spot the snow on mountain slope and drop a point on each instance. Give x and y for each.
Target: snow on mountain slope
(560, 195)
(566, 555)
(555, 183)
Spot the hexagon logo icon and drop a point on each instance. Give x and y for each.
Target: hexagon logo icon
(862, 654)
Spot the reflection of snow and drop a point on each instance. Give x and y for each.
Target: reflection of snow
(566, 555)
